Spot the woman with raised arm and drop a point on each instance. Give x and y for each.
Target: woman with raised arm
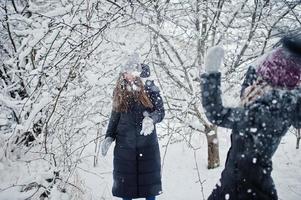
(270, 105)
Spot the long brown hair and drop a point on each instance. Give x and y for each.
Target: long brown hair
(254, 91)
(122, 97)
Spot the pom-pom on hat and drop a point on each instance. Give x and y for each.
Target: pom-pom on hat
(282, 66)
(292, 44)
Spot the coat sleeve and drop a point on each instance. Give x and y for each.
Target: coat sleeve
(154, 93)
(212, 102)
(250, 78)
(113, 122)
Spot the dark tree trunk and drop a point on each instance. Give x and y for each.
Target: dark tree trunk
(213, 149)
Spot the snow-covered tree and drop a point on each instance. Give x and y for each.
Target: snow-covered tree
(60, 60)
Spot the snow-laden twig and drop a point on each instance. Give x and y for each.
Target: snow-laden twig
(199, 175)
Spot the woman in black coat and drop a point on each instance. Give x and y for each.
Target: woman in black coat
(271, 104)
(136, 110)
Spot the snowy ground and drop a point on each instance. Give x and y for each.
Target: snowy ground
(180, 177)
(180, 180)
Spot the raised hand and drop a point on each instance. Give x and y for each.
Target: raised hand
(214, 58)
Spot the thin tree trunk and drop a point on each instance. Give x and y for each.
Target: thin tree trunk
(201, 28)
(97, 146)
(213, 149)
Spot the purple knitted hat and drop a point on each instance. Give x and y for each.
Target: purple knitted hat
(281, 68)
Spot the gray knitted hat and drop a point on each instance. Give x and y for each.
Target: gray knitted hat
(132, 64)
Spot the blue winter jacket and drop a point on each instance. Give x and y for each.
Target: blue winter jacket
(257, 131)
(137, 163)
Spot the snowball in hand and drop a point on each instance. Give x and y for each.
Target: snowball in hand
(214, 59)
(147, 126)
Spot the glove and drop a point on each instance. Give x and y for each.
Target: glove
(106, 145)
(214, 59)
(147, 126)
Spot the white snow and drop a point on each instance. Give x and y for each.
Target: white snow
(211, 133)
(82, 109)
(36, 109)
(3, 121)
(14, 194)
(91, 77)
(179, 165)
(59, 11)
(215, 141)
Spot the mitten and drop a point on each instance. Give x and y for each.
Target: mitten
(214, 59)
(147, 126)
(106, 145)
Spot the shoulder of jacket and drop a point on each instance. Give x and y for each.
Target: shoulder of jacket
(251, 70)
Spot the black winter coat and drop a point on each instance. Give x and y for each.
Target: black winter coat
(257, 131)
(137, 163)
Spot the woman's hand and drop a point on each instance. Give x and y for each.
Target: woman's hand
(147, 126)
(106, 145)
(214, 59)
